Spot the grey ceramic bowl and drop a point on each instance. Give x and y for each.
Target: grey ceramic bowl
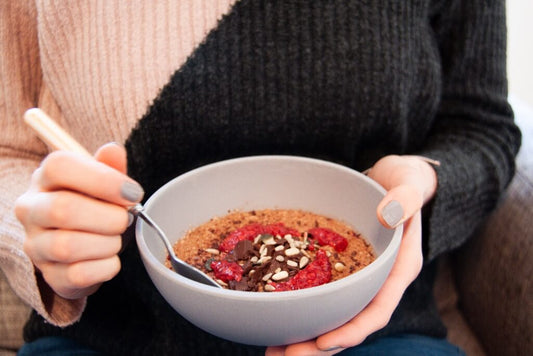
(268, 182)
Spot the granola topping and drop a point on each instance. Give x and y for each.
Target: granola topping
(274, 250)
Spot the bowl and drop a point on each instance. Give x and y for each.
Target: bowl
(261, 182)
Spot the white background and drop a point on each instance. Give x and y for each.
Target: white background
(520, 50)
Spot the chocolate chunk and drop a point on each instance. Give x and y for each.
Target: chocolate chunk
(241, 285)
(244, 249)
(247, 267)
(270, 250)
(274, 265)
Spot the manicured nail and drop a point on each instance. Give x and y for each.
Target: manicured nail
(332, 348)
(130, 219)
(392, 213)
(131, 191)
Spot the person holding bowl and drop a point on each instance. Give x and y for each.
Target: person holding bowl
(179, 84)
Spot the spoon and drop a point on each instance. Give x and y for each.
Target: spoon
(57, 138)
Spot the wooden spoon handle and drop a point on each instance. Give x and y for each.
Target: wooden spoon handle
(51, 133)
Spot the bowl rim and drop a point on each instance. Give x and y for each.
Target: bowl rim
(365, 273)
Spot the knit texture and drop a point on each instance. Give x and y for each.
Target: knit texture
(94, 66)
(347, 81)
(308, 78)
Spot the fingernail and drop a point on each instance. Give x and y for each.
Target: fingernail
(332, 348)
(392, 213)
(130, 219)
(131, 191)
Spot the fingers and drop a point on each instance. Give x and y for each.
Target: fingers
(113, 155)
(79, 279)
(275, 351)
(308, 348)
(74, 215)
(409, 182)
(378, 312)
(70, 211)
(64, 246)
(399, 204)
(70, 171)
(76, 258)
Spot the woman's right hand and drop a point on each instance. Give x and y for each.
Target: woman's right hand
(74, 213)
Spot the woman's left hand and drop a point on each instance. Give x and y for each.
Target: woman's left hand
(410, 182)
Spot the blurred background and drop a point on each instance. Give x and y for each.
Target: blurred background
(520, 51)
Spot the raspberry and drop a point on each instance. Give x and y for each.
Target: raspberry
(249, 232)
(227, 271)
(329, 237)
(279, 229)
(316, 273)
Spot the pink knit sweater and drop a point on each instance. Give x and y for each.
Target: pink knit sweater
(94, 66)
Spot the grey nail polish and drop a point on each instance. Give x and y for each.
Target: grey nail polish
(130, 219)
(131, 191)
(332, 348)
(392, 213)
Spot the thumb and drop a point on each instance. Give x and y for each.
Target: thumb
(409, 181)
(399, 204)
(113, 155)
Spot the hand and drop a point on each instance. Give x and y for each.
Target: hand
(410, 182)
(74, 213)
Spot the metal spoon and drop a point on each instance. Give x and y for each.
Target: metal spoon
(178, 265)
(52, 134)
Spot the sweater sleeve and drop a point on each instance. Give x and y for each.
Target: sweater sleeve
(20, 154)
(474, 136)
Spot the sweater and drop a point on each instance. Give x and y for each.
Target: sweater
(185, 83)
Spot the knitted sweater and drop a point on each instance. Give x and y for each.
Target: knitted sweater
(184, 83)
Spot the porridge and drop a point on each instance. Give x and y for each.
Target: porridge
(274, 250)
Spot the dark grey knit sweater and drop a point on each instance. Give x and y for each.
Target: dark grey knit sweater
(346, 81)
